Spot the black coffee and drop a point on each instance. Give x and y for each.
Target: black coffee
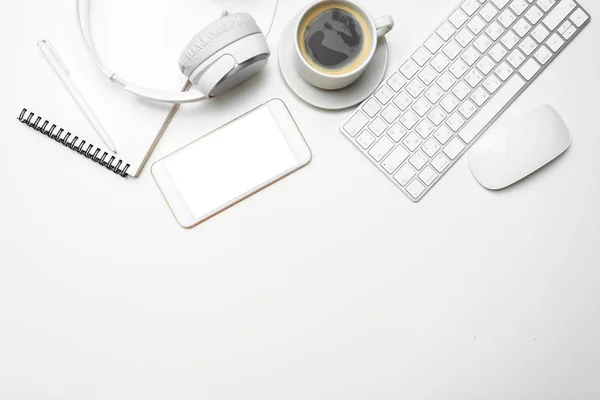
(334, 39)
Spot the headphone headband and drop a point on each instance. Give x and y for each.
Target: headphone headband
(83, 17)
(224, 70)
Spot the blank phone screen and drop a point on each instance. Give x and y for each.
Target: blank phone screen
(230, 162)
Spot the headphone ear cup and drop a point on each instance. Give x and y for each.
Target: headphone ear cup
(215, 37)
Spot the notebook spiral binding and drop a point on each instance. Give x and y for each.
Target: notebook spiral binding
(90, 151)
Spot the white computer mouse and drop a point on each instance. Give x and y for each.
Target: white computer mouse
(509, 152)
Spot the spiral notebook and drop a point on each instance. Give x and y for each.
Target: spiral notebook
(135, 125)
(85, 148)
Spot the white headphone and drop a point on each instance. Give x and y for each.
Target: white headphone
(219, 58)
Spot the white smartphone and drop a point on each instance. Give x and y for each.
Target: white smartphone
(231, 163)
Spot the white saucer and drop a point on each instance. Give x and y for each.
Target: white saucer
(330, 99)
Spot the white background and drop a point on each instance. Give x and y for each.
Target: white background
(328, 285)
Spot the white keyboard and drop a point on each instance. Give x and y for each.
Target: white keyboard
(431, 110)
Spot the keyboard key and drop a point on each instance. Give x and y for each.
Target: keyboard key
(470, 56)
(522, 27)
(494, 30)
(365, 139)
(440, 62)
(443, 134)
(579, 17)
(476, 25)
(546, 5)
(431, 147)
(415, 88)
(428, 175)
(396, 132)
(519, 6)
(480, 96)
(418, 160)
(422, 106)
(371, 107)
(464, 37)
(427, 75)
(506, 18)
(534, 15)
(492, 84)
(395, 159)
(390, 113)
(452, 49)
(384, 94)
(510, 40)
(500, 3)
(458, 68)
(434, 93)
(415, 189)
(446, 31)
(474, 77)
(381, 148)
(412, 141)
(555, 42)
(440, 162)
(424, 128)
(356, 123)
(528, 45)
(559, 13)
(569, 32)
(455, 122)
(516, 58)
(409, 119)
(482, 43)
(485, 65)
(488, 12)
(529, 69)
(449, 103)
(461, 90)
(454, 148)
(458, 18)
(409, 69)
(467, 109)
(403, 100)
(563, 28)
(434, 43)
(421, 56)
(498, 52)
(405, 174)
(503, 71)
(543, 55)
(396, 82)
(470, 7)
(378, 126)
(540, 33)
(437, 116)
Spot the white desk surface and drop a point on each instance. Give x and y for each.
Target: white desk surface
(328, 285)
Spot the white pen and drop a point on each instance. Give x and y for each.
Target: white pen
(63, 74)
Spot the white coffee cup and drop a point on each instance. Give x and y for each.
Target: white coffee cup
(373, 28)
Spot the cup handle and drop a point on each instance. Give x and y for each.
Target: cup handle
(383, 25)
